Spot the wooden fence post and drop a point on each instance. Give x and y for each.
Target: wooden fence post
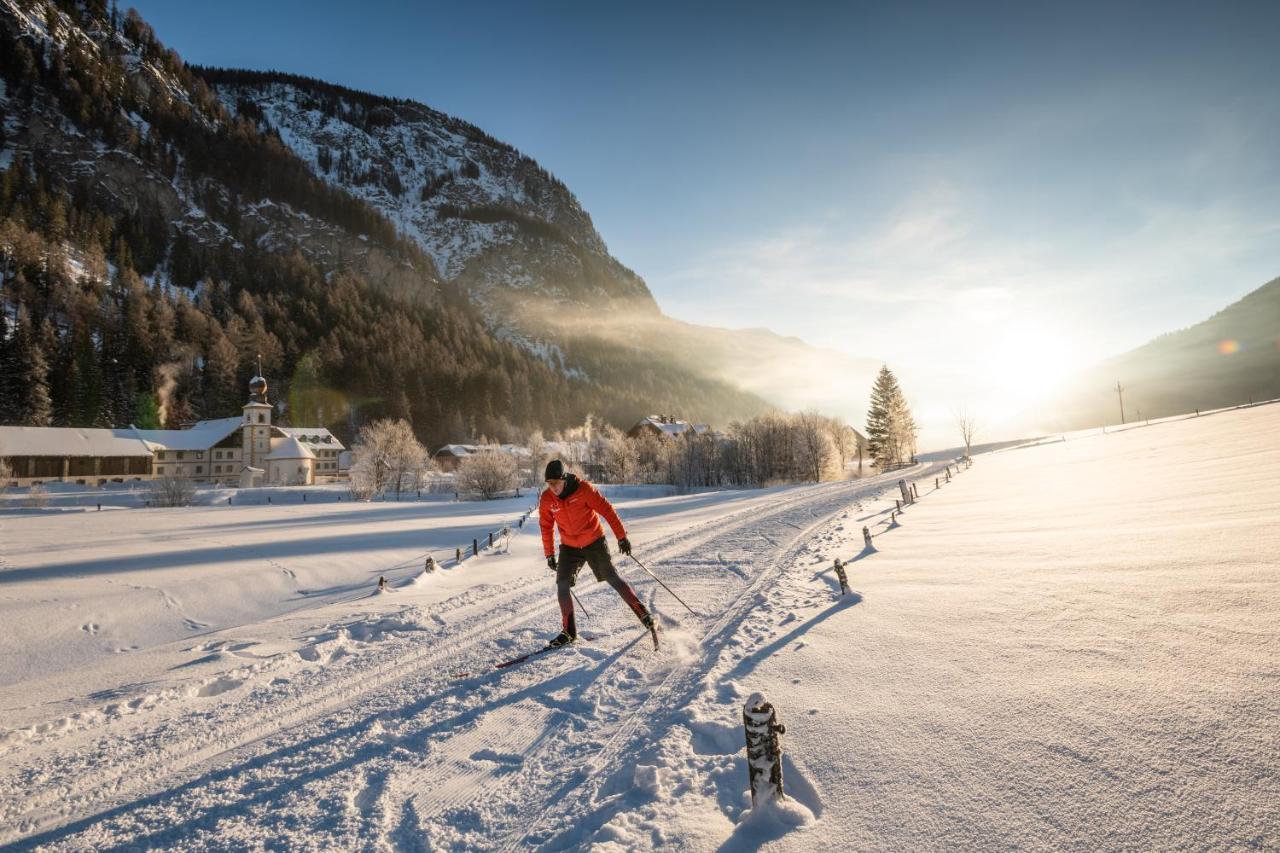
(457, 557)
(866, 536)
(475, 548)
(844, 579)
(764, 749)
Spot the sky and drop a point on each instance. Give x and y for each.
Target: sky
(983, 196)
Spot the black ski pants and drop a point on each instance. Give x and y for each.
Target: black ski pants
(596, 555)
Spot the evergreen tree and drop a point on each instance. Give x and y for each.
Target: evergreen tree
(148, 411)
(34, 406)
(891, 430)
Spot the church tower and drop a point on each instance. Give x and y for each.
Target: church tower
(257, 423)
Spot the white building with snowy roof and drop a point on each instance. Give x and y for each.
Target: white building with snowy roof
(212, 451)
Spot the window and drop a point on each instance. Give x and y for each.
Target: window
(262, 418)
(159, 469)
(199, 469)
(180, 455)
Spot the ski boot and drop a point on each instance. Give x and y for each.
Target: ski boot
(649, 622)
(564, 638)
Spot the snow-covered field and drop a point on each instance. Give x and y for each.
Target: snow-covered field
(1072, 644)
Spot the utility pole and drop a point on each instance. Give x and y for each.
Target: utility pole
(1120, 393)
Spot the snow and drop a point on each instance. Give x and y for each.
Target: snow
(70, 441)
(1072, 644)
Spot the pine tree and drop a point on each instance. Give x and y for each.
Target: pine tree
(34, 406)
(148, 411)
(8, 373)
(891, 430)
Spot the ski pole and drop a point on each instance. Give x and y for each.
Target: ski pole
(664, 586)
(575, 598)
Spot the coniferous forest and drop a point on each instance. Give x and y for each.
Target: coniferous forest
(141, 274)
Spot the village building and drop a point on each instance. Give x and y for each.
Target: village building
(666, 426)
(248, 450)
(449, 457)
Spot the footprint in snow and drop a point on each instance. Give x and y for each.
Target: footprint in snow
(90, 628)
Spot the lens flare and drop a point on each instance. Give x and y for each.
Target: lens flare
(1228, 347)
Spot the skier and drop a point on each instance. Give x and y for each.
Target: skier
(574, 506)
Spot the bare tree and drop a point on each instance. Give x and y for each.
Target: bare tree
(618, 456)
(386, 452)
(844, 443)
(488, 474)
(37, 497)
(537, 446)
(172, 491)
(968, 425)
(812, 441)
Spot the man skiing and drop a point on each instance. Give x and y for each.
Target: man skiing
(574, 506)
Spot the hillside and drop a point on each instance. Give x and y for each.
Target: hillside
(155, 242)
(1231, 358)
(518, 242)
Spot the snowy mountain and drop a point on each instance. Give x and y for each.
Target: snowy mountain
(515, 237)
(487, 215)
(125, 174)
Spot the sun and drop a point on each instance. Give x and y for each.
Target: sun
(1025, 362)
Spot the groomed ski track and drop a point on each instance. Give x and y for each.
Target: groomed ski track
(367, 740)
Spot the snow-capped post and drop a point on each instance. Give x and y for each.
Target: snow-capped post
(764, 750)
(428, 565)
(382, 583)
(866, 536)
(915, 493)
(948, 473)
(475, 547)
(457, 558)
(490, 538)
(897, 504)
(906, 493)
(936, 484)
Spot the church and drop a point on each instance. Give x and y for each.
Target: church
(248, 450)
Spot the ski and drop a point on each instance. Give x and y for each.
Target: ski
(533, 654)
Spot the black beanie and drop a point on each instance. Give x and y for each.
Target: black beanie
(555, 470)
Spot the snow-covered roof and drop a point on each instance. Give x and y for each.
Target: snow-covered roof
(673, 427)
(314, 436)
(201, 436)
(459, 450)
(70, 441)
(290, 448)
(464, 450)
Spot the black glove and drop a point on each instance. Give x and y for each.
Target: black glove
(551, 562)
(624, 545)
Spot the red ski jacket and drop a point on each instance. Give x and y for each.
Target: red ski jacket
(575, 514)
